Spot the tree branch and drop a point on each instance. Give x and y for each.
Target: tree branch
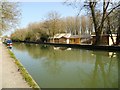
(111, 11)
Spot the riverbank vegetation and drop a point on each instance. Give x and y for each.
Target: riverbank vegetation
(41, 31)
(98, 22)
(24, 72)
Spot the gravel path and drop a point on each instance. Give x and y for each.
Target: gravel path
(0, 66)
(9, 75)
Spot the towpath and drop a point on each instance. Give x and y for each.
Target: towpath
(10, 77)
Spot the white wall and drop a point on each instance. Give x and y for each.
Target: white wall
(114, 38)
(68, 41)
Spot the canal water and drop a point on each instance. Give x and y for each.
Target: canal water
(56, 67)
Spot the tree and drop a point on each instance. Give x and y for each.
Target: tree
(99, 26)
(89, 25)
(72, 25)
(53, 17)
(10, 14)
(118, 26)
(105, 8)
(113, 25)
(83, 25)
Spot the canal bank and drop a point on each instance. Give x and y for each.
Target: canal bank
(11, 75)
(78, 46)
(0, 66)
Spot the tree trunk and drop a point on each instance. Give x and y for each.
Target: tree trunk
(53, 37)
(97, 39)
(118, 30)
(109, 29)
(118, 36)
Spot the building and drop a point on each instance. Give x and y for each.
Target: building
(85, 39)
(65, 38)
(105, 39)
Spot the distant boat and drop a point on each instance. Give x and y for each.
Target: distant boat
(9, 43)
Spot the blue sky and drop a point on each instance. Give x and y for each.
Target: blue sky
(37, 11)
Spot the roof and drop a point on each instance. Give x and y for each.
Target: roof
(74, 36)
(105, 35)
(85, 36)
(66, 35)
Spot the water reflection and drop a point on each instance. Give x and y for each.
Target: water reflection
(75, 68)
(61, 48)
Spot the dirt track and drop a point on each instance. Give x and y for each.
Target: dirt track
(10, 77)
(0, 66)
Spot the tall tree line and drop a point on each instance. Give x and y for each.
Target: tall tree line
(52, 25)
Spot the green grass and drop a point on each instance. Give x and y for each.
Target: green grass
(24, 72)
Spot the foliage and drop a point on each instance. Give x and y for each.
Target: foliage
(41, 31)
(10, 14)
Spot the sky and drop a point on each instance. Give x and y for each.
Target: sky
(38, 11)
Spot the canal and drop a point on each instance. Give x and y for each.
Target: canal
(55, 67)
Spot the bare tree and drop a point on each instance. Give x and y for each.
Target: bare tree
(53, 18)
(89, 25)
(94, 7)
(118, 29)
(10, 14)
(83, 24)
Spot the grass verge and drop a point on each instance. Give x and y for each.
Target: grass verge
(24, 73)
